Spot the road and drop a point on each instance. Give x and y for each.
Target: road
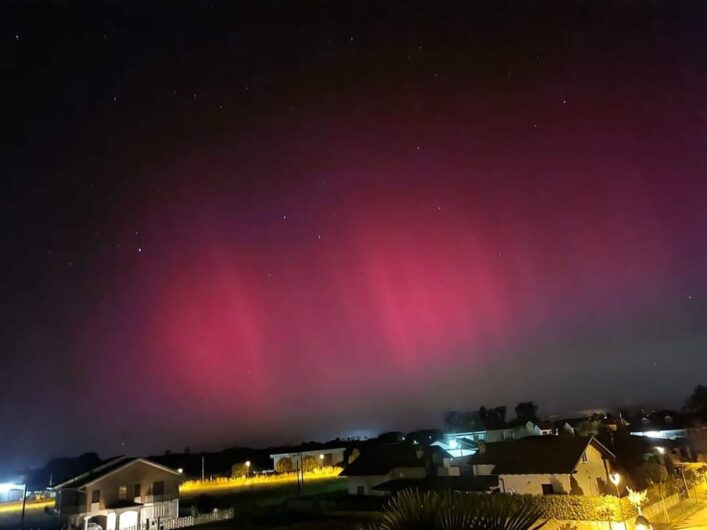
(696, 520)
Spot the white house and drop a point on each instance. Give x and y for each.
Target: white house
(460, 444)
(121, 493)
(542, 465)
(384, 463)
(326, 457)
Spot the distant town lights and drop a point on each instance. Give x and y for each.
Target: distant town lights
(8, 486)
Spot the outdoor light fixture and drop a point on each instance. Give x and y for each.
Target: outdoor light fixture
(180, 470)
(642, 523)
(6, 487)
(615, 479)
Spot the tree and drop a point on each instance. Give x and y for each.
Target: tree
(416, 510)
(460, 421)
(309, 463)
(492, 418)
(285, 465)
(526, 411)
(239, 470)
(697, 400)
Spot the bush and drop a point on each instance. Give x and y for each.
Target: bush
(416, 510)
(309, 463)
(285, 465)
(239, 470)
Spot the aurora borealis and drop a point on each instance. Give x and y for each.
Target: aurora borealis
(239, 223)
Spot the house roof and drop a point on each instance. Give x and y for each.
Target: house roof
(461, 483)
(536, 454)
(107, 467)
(383, 458)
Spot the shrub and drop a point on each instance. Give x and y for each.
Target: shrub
(309, 463)
(285, 465)
(415, 510)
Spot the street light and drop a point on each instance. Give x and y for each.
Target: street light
(321, 461)
(616, 479)
(247, 468)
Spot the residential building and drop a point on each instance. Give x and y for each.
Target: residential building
(461, 444)
(326, 457)
(545, 465)
(121, 493)
(383, 463)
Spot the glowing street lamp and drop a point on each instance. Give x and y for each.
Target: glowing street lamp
(616, 479)
(247, 468)
(321, 461)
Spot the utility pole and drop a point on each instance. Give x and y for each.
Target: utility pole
(24, 503)
(202, 468)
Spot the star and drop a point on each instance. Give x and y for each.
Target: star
(284, 218)
(139, 249)
(17, 36)
(319, 236)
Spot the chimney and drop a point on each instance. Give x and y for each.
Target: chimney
(482, 447)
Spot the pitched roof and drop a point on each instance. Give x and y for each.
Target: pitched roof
(381, 459)
(460, 483)
(536, 454)
(105, 468)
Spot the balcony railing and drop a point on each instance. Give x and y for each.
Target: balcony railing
(159, 497)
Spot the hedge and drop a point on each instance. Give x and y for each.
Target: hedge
(579, 507)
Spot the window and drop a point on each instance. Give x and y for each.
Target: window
(548, 489)
(95, 496)
(136, 490)
(585, 458)
(158, 488)
(122, 492)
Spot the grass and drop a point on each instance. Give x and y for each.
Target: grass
(261, 502)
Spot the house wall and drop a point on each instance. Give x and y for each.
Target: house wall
(532, 484)
(137, 473)
(587, 473)
(332, 457)
(370, 481)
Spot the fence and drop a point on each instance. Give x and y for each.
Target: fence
(657, 508)
(193, 520)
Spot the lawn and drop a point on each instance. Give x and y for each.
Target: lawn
(260, 504)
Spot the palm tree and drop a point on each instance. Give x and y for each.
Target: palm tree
(424, 510)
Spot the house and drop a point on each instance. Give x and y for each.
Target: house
(326, 457)
(462, 444)
(118, 494)
(383, 463)
(545, 464)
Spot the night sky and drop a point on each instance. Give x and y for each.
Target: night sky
(261, 222)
